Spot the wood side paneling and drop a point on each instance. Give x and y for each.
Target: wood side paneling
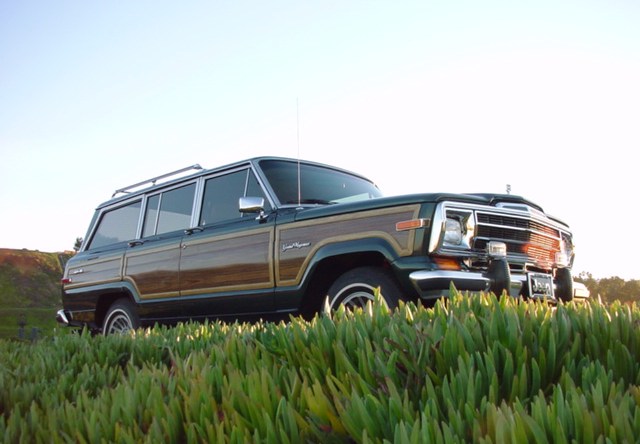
(298, 242)
(239, 261)
(96, 270)
(154, 271)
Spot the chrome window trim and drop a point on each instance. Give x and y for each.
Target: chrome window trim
(261, 183)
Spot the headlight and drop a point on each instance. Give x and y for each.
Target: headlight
(453, 232)
(565, 256)
(453, 228)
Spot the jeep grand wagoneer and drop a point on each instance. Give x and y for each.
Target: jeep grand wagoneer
(271, 237)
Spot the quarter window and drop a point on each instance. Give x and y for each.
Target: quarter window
(118, 225)
(151, 216)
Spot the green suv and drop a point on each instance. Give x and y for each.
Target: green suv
(269, 237)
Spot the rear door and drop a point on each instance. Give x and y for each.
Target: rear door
(152, 262)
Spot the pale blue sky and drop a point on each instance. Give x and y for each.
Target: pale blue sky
(460, 96)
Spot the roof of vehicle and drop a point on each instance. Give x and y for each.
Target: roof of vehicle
(137, 189)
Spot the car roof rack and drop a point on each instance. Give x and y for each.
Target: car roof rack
(153, 180)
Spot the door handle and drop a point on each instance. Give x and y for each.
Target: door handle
(190, 231)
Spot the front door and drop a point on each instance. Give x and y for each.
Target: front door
(226, 265)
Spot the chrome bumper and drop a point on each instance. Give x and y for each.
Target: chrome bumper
(62, 318)
(432, 283)
(425, 280)
(580, 291)
(497, 278)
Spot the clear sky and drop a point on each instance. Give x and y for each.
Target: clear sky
(459, 96)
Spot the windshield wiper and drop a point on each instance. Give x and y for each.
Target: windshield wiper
(312, 201)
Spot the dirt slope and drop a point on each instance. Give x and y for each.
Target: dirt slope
(30, 278)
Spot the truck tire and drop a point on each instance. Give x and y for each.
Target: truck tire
(356, 287)
(121, 318)
(564, 285)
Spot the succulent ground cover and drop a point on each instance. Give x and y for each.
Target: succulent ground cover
(471, 369)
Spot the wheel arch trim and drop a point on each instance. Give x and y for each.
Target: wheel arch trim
(340, 249)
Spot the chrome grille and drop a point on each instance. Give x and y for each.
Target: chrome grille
(527, 240)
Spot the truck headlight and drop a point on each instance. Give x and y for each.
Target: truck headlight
(453, 228)
(565, 255)
(452, 232)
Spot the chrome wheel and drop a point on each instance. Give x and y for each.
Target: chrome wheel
(353, 296)
(121, 318)
(358, 286)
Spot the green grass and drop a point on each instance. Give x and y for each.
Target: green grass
(471, 369)
(43, 319)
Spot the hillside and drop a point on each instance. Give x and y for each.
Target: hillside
(29, 290)
(30, 278)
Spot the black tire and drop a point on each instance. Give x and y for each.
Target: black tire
(121, 318)
(356, 287)
(564, 284)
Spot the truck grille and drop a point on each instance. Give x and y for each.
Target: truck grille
(527, 240)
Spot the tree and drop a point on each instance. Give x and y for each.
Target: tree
(612, 288)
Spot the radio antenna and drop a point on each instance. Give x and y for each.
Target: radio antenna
(298, 140)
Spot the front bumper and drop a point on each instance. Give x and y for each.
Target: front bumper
(498, 279)
(432, 283)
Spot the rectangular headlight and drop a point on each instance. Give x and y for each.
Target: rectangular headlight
(452, 232)
(453, 228)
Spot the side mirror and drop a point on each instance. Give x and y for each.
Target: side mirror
(249, 205)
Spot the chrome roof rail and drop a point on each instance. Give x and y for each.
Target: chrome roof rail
(153, 180)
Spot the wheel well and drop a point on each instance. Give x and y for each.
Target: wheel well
(330, 269)
(105, 301)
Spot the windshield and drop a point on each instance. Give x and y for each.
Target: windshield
(318, 185)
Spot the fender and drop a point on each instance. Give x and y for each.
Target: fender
(367, 245)
(336, 250)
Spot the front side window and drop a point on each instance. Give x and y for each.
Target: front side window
(169, 211)
(222, 195)
(117, 225)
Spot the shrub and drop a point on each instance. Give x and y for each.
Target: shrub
(473, 368)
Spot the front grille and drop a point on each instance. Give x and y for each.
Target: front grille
(517, 222)
(527, 240)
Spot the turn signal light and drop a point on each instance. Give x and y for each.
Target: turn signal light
(445, 263)
(412, 224)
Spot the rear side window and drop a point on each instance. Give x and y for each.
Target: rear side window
(117, 225)
(169, 211)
